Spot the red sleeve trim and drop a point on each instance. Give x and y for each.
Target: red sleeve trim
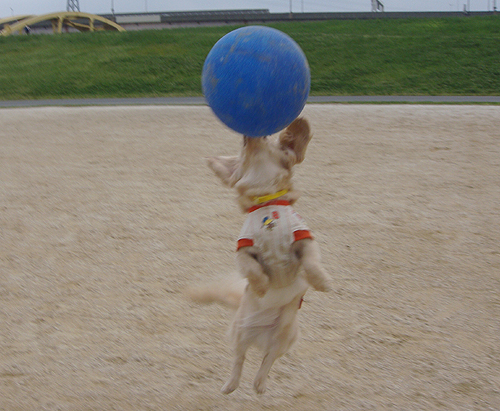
(244, 242)
(301, 234)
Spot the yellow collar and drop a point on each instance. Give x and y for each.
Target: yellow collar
(269, 197)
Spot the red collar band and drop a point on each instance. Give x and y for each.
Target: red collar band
(269, 203)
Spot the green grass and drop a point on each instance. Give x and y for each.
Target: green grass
(452, 56)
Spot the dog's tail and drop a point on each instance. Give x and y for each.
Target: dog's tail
(228, 293)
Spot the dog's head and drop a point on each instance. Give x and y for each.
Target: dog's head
(264, 166)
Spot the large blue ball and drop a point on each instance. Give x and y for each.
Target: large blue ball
(256, 80)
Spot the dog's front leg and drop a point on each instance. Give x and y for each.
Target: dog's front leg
(307, 251)
(251, 269)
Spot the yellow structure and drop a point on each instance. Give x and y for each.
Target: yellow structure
(7, 20)
(78, 20)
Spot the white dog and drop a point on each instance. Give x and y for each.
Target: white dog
(273, 244)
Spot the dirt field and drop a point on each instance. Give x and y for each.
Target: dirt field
(108, 214)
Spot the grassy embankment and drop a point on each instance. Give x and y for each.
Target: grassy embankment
(453, 56)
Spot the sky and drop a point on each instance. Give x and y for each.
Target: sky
(17, 7)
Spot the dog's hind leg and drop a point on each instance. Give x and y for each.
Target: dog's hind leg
(241, 346)
(307, 251)
(271, 356)
(234, 379)
(281, 340)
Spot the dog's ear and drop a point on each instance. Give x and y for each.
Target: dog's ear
(296, 137)
(224, 168)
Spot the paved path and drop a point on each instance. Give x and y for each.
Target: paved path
(201, 100)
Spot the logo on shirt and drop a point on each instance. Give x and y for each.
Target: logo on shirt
(270, 222)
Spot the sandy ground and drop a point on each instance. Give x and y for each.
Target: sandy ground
(109, 213)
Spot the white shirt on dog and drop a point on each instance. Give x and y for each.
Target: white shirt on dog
(272, 228)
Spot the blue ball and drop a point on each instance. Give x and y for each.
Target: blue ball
(256, 80)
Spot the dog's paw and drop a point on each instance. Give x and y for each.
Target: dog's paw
(260, 289)
(259, 285)
(324, 286)
(259, 385)
(323, 283)
(319, 280)
(229, 387)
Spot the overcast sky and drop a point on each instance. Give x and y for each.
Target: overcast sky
(16, 7)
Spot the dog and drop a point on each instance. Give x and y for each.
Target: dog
(273, 245)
